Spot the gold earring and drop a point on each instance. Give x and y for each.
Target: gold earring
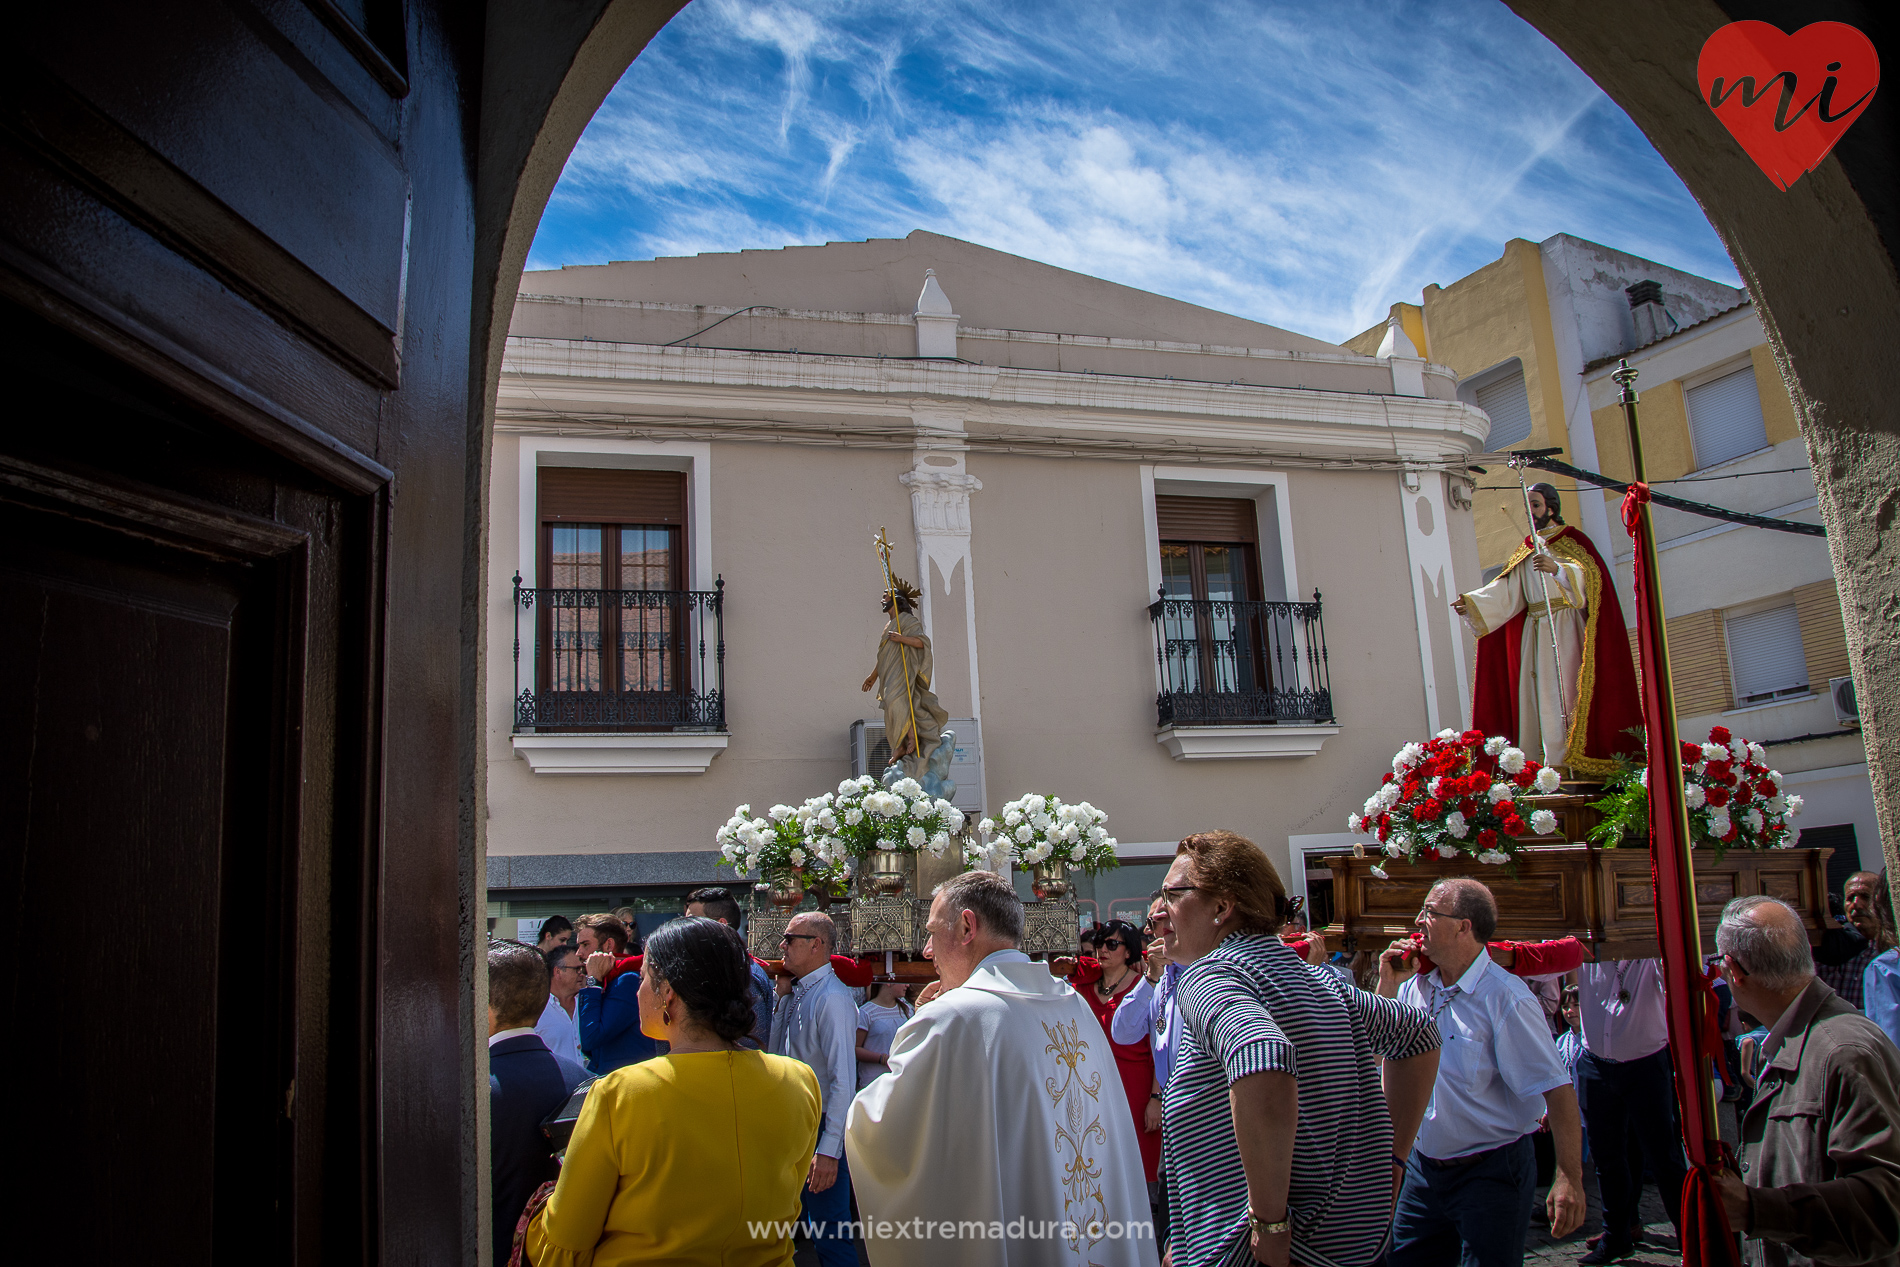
(666, 1016)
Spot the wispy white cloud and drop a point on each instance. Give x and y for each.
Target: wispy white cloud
(1303, 164)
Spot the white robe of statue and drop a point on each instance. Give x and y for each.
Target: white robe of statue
(1540, 718)
(1004, 1117)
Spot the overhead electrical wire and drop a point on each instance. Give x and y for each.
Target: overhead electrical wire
(695, 334)
(1686, 479)
(1542, 461)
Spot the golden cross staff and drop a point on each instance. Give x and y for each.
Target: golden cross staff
(1539, 546)
(883, 544)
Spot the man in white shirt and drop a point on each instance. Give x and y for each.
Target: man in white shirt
(816, 1021)
(1629, 1096)
(1472, 1172)
(558, 1027)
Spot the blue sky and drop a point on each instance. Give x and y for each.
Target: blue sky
(1302, 163)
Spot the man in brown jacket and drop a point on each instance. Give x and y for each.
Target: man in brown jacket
(1820, 1178)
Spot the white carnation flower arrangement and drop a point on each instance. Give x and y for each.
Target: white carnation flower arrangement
(822, 838)
(1038, 829)
(784, 842)
(901, 817)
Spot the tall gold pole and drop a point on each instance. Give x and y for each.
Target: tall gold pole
(897, 622)
(1678, 929)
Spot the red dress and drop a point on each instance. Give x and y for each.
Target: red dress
(1136, 1061)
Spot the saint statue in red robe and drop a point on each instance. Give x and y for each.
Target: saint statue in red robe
(1554, 670)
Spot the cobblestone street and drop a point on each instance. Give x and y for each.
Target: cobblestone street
(1659, 1234)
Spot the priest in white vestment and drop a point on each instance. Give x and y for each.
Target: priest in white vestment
(1001, 1134)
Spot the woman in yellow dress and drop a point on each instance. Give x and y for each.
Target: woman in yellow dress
(697, 1156)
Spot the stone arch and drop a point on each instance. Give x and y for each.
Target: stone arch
(1817, 259)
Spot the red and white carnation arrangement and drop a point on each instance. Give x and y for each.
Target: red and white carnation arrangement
(1735, 801)
(1457, 794)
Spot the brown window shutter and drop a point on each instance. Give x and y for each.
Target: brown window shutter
(1206, 519)
(601, 495)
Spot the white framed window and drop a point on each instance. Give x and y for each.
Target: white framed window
(1273, 517)
(1725, 420)
(692, 457)
(1765, 656)
(1500, 392)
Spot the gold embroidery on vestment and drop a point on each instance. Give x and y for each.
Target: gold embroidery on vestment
(1078, 1123)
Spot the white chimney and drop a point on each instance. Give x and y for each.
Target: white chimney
(936, 323)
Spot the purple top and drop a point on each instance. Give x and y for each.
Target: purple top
(1621, 1006)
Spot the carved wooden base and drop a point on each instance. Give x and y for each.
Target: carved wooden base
(765, 924)
(887, 923)
(1052, 925)
(1602, 896)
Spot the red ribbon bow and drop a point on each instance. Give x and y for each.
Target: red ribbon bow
(1633, 501)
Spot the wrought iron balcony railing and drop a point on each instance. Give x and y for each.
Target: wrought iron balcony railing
(604, 659)
(1234, 663)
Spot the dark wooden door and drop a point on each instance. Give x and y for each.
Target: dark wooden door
(237, 292)
(141, 680)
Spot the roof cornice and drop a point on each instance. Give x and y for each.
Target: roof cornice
(827, 399)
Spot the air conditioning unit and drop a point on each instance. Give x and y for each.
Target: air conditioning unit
(1846, 707)
(870, 753)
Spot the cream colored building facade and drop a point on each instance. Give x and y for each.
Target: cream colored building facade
(1038, 444)
(1754, 621)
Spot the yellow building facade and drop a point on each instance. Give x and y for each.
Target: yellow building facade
(1754, 621)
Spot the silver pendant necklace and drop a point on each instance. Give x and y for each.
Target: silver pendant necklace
(1622, 992)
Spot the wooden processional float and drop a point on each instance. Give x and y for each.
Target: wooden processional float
(880, 915)
(1562, 885)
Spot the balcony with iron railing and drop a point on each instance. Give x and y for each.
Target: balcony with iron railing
(619, 660)
(1236, 663)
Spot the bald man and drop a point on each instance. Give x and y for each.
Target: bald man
(1820, 1159)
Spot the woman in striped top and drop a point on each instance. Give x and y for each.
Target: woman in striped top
(1279, 1137)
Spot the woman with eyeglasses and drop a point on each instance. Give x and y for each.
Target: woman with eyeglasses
(1118, 950)
(1278, 1134)
(697, 1156)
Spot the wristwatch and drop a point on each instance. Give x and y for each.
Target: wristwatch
(1265, 1228)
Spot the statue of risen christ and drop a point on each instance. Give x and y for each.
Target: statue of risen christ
(1554, 673)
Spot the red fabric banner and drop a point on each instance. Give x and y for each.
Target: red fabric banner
(1694, 1038)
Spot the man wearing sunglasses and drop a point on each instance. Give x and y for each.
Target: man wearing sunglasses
(559, 1027)
(816, 1021)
